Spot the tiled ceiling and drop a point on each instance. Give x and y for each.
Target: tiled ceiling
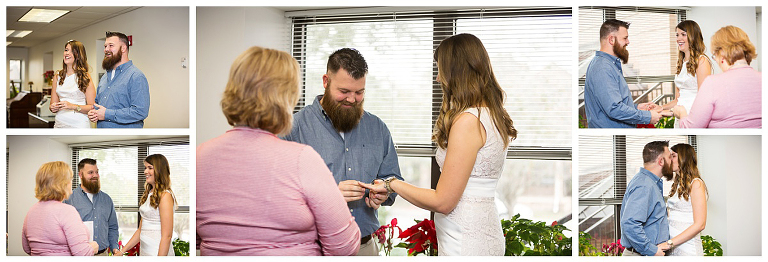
(79, 17)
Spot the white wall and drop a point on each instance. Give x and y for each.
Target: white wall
(731, 168)
(16, 53)
(223, 33)
(160, 41)
(712, 18)
(26, 155)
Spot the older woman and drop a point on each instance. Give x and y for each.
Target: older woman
(732, 99)
(51, 227)
(258, 194)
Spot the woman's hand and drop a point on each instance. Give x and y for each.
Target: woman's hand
(53, 107)
(94, 246)
(67, 105)
(679, 112)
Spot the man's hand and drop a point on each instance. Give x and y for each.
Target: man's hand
(97, 113)
(661, 249)
(351, 190)
(655, 115)
(116, 252)
(375, 198)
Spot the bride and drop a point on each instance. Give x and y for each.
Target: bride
(472, 133)
(157, 206)
(73, 92)
(693, 66)
(687, 205)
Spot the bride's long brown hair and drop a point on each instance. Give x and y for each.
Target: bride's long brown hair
(688, 170)
(467, 80)
(162, 180)
(80, 65)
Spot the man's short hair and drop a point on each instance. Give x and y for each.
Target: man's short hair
(81, 164)
(351, 60)
(610, 26)
(652, 150)
(123, 38)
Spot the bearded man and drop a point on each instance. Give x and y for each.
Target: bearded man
(644, 224)
(95, 205)
(122, 99)
(355, 144)
(608, 102)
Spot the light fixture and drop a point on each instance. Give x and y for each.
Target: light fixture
(8, 32)
(17, 34)
(42, 15)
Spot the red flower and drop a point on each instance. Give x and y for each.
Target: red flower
(554, 223)
(421, 236)
(646, 126)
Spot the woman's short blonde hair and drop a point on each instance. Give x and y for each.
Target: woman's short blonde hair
(733, 44)
(52, 181)
(262, 89)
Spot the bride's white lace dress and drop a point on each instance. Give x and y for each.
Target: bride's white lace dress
(680, 218)
(150, 230)
(473, 228)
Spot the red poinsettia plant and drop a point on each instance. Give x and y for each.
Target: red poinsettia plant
(419, 239)
(131, 252)
(613, 249)
(48, 76)
(385, 234)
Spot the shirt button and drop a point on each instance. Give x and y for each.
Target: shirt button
(350, 169)
(347, 149)
(350, 211)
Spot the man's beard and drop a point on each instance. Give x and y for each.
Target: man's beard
(621, 52)
(666, 171)
(343, 119)
(92, 186)
(111, 61)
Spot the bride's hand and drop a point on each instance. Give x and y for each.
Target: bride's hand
(378, 186)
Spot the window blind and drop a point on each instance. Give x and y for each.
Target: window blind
(528, 48)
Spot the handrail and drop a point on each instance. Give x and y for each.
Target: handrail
(592, 215)
(647, 92)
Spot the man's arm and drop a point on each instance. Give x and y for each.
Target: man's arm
(138, 110)
(113, 234)
(634, 216)
(609, 100)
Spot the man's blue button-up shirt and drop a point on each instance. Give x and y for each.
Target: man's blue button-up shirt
(643, 218)
(101, 211)
(365, 153)
(126, 97)
(607, 100)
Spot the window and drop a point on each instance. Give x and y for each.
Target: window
(14, 69)
(528, 48)
(652, 49)
(606, 165)
(121, 171)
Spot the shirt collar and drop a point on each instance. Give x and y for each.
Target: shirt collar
(652, 176)
(320, 106)
(85, 193)
(124, 66)
(610, 57)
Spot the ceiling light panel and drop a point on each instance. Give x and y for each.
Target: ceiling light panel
(42, 15)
